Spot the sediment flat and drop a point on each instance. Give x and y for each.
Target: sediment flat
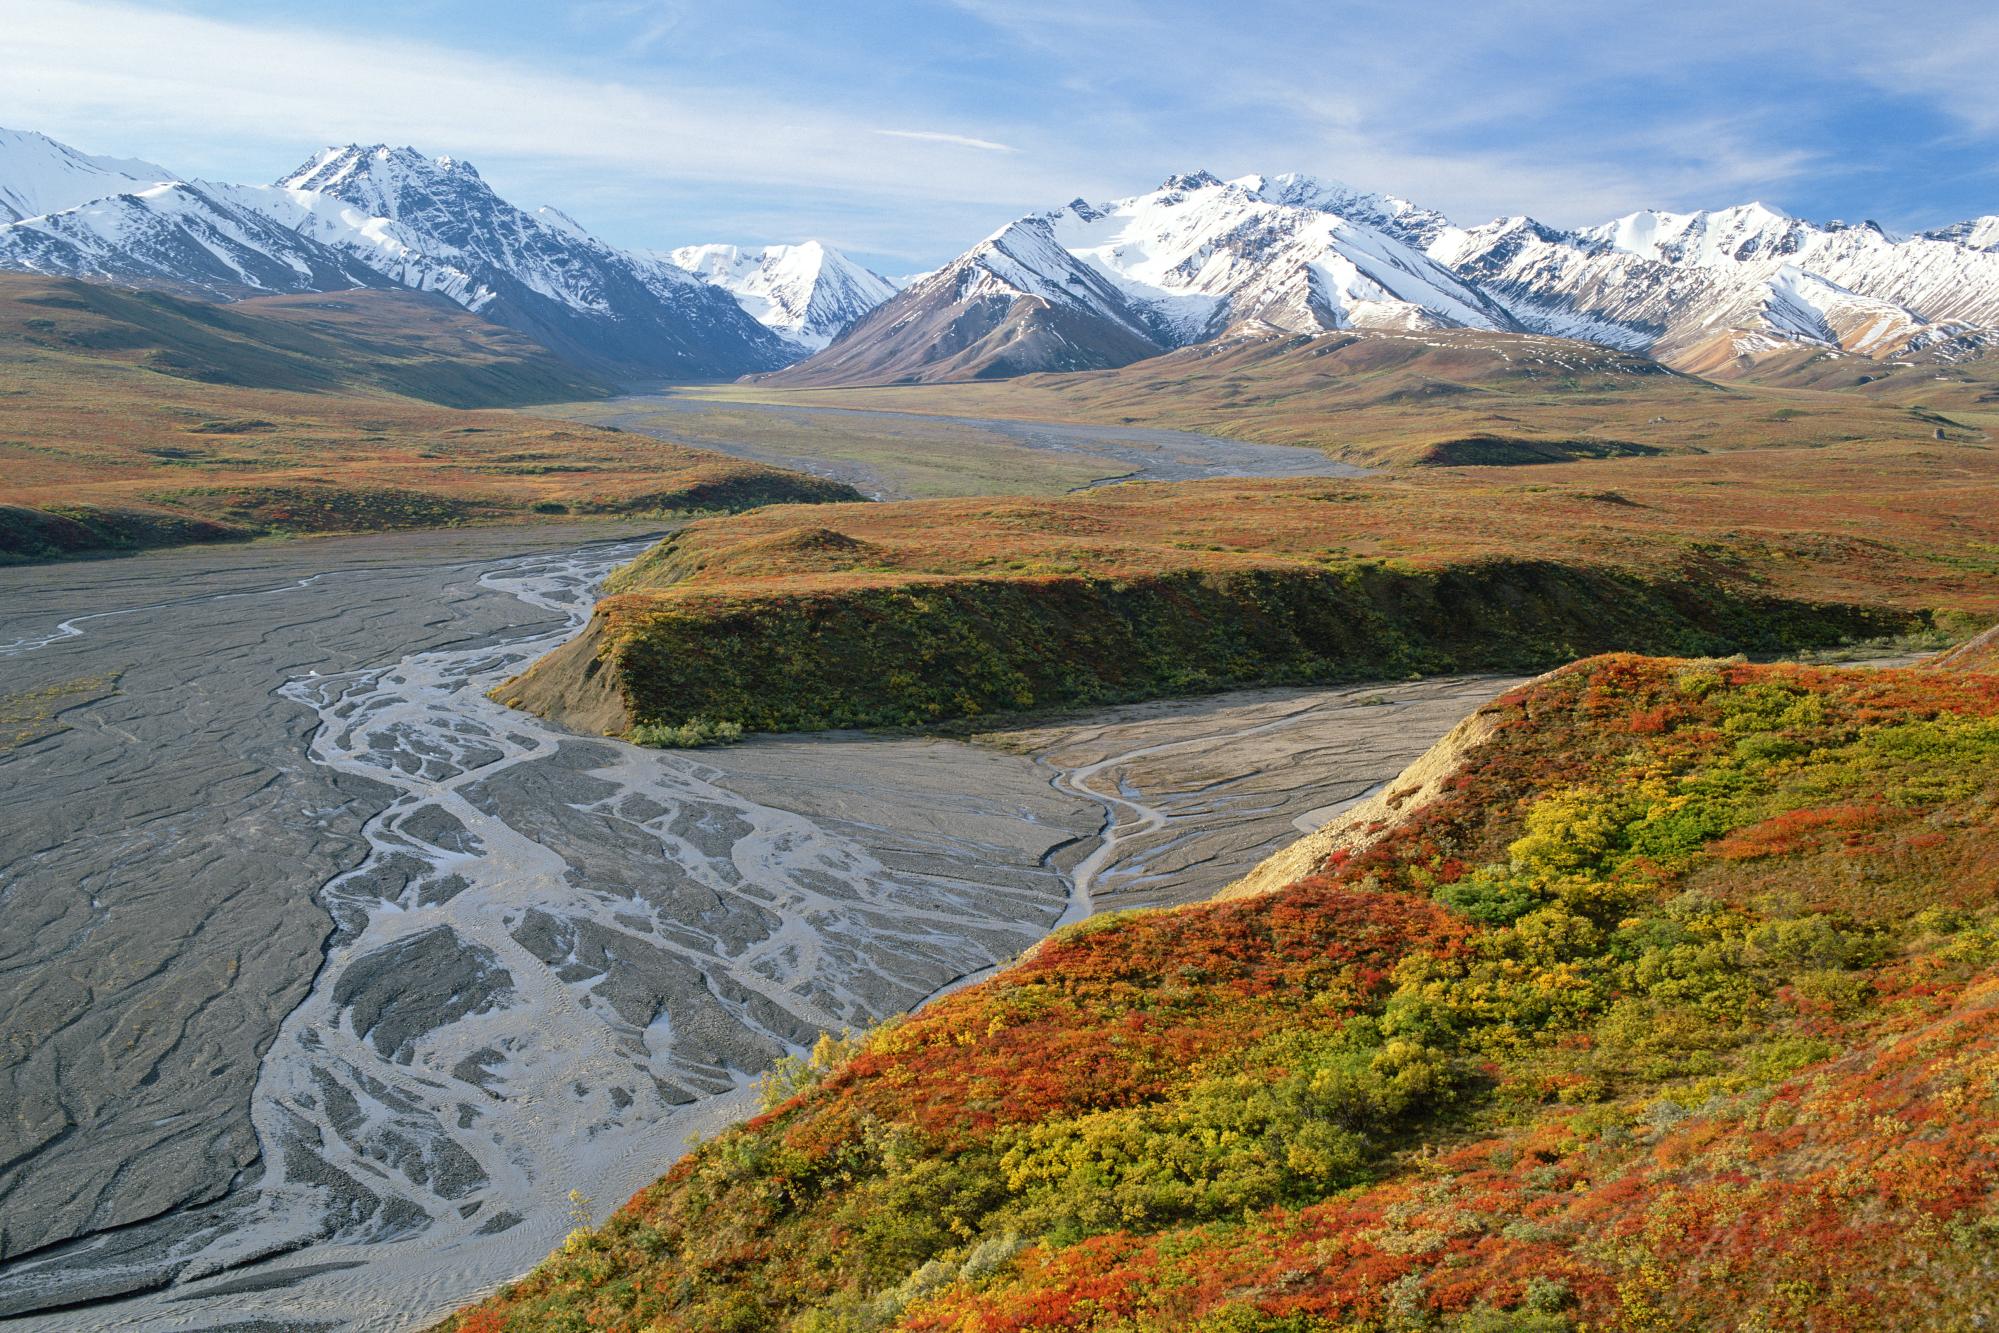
(1196, 792)
(900, 455)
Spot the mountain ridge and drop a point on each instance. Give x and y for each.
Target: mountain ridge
(355, 217)
(1094, 286)
(1097, 286)
(1087, 286)
(39, 175)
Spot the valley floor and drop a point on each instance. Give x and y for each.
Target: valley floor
(899, 455)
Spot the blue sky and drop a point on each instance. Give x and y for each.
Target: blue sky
(904, 132)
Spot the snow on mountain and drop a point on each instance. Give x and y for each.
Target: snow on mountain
(561, 221)
(540, 273)
(1398, 217)
(809, 293)
(39, 175)
(1090, 285)
(1978, 233)
(1206, 253)
(379, 217)
(187, 235)
(1097, 285)
(1699, 289)
(1014, 303)
(1711, 291)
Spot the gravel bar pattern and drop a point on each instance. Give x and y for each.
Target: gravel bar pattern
(325, 979)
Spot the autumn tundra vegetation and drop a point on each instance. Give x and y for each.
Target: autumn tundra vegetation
(1675, 1009)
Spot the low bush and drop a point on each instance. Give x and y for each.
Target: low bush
(689, 735)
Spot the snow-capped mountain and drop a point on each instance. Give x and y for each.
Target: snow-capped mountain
(1706, 290)
(810, 293)
(1100, 285)
(39, 175)
(1095, 285)
(390, 217)
(433, 223)
(217, 240)
(1086, 286)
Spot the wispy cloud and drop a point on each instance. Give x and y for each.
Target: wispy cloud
(960, 140)
(113, 74)
(662, 121)
(647, 23)
(1546, 107)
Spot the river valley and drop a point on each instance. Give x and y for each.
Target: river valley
(899, 455)
(325, 979)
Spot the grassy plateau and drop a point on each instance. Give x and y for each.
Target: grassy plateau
(925, 611)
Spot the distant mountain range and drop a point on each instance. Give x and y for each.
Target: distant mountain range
(355, 217)
(1086, 286)
(1093, 286)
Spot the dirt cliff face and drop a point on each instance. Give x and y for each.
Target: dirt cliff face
(1979, 654)
(1369, 820)
(576, 686)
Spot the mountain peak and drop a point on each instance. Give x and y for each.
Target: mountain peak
(38, 175)
(1191, 180)
(340, 169)
(808, 292)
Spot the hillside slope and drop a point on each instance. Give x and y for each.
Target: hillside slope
(1978, 654)
(1686, 958)
(406, 343)
(132, 419)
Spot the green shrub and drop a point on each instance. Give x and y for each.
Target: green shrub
(687, 736)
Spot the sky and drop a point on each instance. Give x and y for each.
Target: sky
(904, 132)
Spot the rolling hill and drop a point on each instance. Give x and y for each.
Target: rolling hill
(133, 419)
